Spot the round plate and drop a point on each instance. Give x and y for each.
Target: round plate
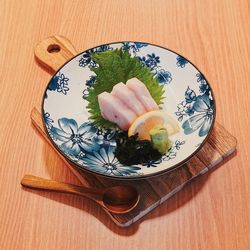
(188, 98)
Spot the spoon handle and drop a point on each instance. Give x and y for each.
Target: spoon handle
(61, 187)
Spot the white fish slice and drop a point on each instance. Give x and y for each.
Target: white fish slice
(142, 93)
(112, 109)
(127, 96)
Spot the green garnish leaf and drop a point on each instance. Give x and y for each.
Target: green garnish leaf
(116, 66)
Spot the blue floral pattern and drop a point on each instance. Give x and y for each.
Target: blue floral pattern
(48, 121)
(91, 81)
(86, 59)
(107, 136)
(202, 118)
(133, 47)
(201, 78)
(171, 154)
(89, 145)
(181, 61)
(163, 76)
(152, 61)
(199, 109)
(105, 162)
(74, 139)
(59, 83)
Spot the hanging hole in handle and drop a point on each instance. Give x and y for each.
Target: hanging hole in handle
(53, 48)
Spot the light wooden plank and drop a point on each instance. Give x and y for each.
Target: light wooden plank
(213, 34)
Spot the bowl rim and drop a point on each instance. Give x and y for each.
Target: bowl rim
(133, 177)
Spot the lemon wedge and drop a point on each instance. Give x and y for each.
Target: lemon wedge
(144, 123)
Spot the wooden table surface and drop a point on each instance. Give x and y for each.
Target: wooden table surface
(213, 212)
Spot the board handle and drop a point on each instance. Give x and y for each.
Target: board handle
(53, 52)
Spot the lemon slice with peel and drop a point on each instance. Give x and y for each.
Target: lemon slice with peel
(144, 123)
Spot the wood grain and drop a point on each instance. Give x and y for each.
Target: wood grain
(214, 35)
(56, 50)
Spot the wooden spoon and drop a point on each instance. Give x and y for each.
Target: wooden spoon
(117, 199)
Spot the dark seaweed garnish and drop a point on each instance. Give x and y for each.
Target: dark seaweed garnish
(131, 151)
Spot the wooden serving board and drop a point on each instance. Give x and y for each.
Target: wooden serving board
(53, 52)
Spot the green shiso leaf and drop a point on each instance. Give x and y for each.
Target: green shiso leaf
(116, 66)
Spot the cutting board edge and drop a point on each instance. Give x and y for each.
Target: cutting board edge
(169, 195)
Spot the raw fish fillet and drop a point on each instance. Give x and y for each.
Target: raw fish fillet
(112, 109)
(142, 93)
(124, 94)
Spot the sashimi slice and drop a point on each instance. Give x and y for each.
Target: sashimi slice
(127, 96)
(142, 93)
(113, 110)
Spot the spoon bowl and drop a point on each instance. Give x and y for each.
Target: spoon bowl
(120, 198)
(116, 199)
